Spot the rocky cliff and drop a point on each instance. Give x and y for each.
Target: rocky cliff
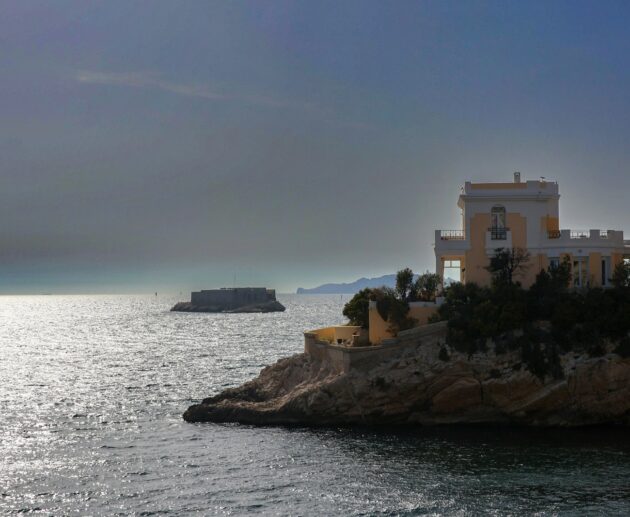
(428, 384)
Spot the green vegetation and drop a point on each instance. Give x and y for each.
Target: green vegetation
(424, 288)
(621, 275)
(393, 309)
(393, 304)
(623, 348)
(357, 309)
(508, 263)
(542, 322)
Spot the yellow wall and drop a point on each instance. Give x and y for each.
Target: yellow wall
(518, 226)
(595, 269)
(537, 263)
(379, 327)
(476, 258)
(332, 334)
(550, 224)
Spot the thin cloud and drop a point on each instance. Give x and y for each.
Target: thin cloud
(145, 80)
(152, 81)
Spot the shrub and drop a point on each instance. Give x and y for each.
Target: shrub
(623, 348)
(435, 318)
(512, 316)
(357, 309)
(508, 263)
(542, 360)
(426, 287)
(392, 309)
(621, 275)
(404, 284)
(495, 374)
(577, 320)
(597, 350)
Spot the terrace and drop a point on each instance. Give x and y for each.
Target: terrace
(586, 238)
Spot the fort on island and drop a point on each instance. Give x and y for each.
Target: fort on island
(235, 299)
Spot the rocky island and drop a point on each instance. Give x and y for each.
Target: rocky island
(237, 299)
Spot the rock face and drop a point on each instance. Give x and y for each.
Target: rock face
(414, 386)
(271, 306)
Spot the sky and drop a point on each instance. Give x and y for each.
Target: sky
(149, 146)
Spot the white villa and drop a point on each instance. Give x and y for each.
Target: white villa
(494, 215)
(524, 215)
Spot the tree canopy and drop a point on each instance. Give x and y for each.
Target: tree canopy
(508, 263)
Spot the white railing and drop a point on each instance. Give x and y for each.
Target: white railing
(452, 235)
(579, 234)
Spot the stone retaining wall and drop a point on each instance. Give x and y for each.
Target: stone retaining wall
(344, 358)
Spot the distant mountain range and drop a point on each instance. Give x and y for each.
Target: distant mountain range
(351, 288)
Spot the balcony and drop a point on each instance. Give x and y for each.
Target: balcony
(582, 234)
(585, 238)
(497, 237)
(498, 234)
(452, 235)
(451, 241)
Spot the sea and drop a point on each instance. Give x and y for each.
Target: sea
(92, 389)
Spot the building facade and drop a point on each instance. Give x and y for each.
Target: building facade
(524, 214)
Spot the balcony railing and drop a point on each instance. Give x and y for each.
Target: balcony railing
(452, 235)
(498, 234)
(579, 234)
(609, 235)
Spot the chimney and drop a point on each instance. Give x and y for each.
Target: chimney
(517, 177)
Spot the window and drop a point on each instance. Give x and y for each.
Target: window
(580, 272)
(497, 217)
(554, 262)
(498, 231)
(453, 271)
(605, 271)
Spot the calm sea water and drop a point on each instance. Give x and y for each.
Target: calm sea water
(92, 389)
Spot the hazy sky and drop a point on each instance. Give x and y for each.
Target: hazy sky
(171, 145)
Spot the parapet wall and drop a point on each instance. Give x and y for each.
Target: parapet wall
(344, 358)
(232, 298)
(379, 328)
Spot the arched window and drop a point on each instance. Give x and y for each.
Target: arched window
(497, 217)
(498, 231)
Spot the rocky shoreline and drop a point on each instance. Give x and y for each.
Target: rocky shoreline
(428, 383)
(271, 306)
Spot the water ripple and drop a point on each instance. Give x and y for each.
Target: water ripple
(91, 394)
